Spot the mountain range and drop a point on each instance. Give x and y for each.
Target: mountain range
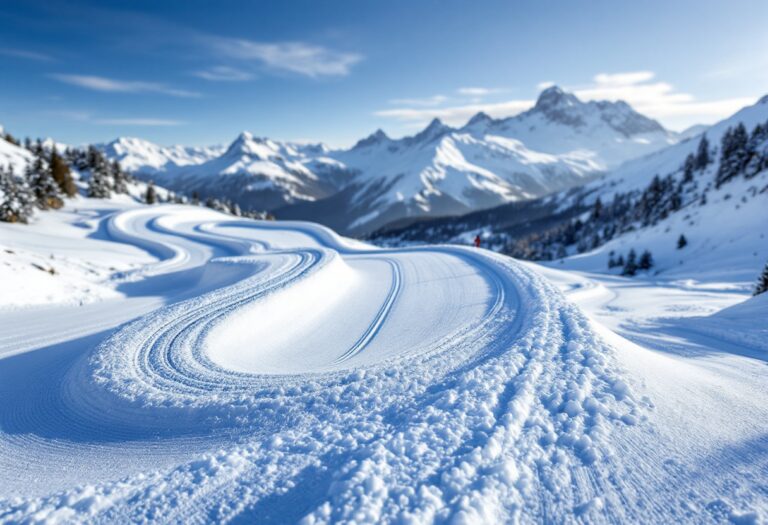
(646, 203)
(559, 143)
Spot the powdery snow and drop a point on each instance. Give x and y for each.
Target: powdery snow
(425, 391)
(276, 372)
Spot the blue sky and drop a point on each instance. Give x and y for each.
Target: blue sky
(198, 72)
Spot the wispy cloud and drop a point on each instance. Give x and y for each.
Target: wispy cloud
(25, 54)
(455, 115)
(640, 89)
(85, 116)
(295, 57)
(223, 74)
(97, 83)
(478, 91)
(658, 99)
(150, 122)
(434, 100)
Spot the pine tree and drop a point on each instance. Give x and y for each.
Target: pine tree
(702, 154)
(630, 268)
(42, 185)
(762, 282)
(16, 199)
(151, 196)
(682, 242)
(597, 209)
(119, 178)
(61, 174)
(98, 184)
(688, 167)
(734, 154)
(646, 261)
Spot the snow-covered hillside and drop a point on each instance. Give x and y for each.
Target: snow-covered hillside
(276, 372)
(559, 143)
(13, 157)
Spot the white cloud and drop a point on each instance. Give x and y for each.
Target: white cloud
(624, 79)
(223, 74)
(640, 89)
(478, 91)
(541, 86)
(434, 100)
(296, 57)
(25, 53)
(85, 116)
(658, 99)
(153, 122)
(455, 115)
(97, 83)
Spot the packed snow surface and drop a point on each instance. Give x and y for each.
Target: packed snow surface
(275, 373)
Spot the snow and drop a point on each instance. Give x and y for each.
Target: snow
(276, 372)
(13, 157)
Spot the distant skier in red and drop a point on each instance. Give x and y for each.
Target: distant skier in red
(477, 241)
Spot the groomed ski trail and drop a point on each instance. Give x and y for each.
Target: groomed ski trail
(281, 373)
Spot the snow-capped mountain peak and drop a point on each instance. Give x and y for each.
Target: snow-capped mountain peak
(258, 148)
(377, 137)
(434, 130)
(554, 98)
(479, 119)
(143, 157)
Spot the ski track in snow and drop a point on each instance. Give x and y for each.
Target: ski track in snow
(275, 372)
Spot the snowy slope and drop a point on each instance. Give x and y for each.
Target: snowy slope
(460, 387)
(14, 157)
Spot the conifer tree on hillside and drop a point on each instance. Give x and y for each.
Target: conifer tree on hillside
(61, 174)
(16, 199)
(151, 196)
(646, 261)
(44, 188)
(703, 157)
(734, 155)
(597, 209)
(682, 242)
(630, 268)
(688, 167)
(119, 178)
(100, 183)
(762, 282)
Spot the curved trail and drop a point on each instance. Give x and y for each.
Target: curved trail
(291, 374)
